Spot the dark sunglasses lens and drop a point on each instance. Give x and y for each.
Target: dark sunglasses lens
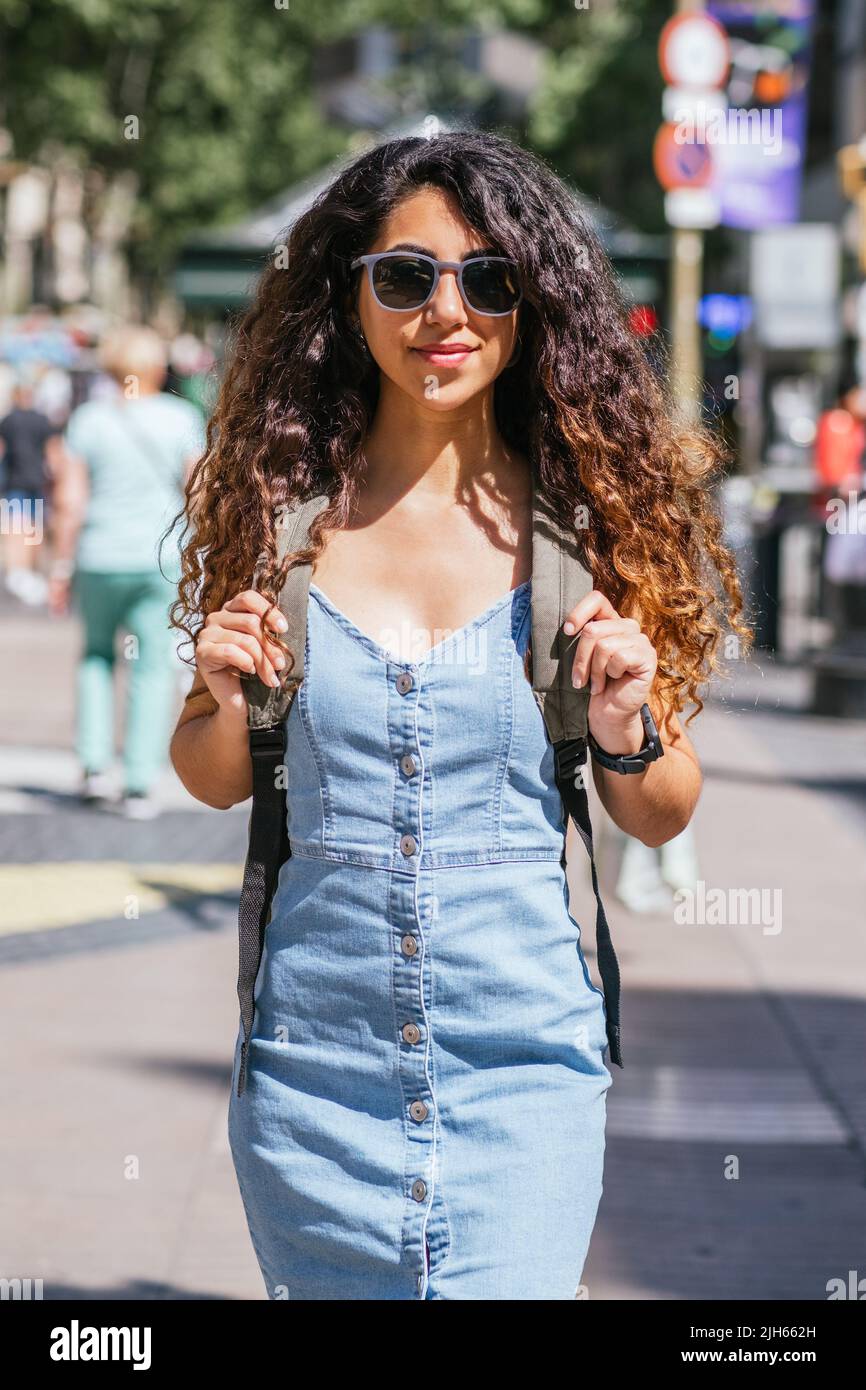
(402, 282)
(492, 287)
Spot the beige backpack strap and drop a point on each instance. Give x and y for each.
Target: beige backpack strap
(266, 705)
(559, 582)
(267, 711)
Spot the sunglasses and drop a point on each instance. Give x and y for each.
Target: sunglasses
(404, 280)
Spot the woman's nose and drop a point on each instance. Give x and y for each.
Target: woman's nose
(446, 301)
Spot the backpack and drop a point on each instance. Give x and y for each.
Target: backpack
(559, 582)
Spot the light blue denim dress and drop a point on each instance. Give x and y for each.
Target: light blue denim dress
(424, 1115)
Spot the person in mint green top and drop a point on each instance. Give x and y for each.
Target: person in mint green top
(126, 460)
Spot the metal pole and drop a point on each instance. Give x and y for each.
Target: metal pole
(687, 254)
(686, 282)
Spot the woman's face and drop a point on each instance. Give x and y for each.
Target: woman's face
(430, 221)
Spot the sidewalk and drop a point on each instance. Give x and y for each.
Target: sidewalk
(736, 1130)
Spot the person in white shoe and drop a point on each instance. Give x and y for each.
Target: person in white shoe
(126, 460)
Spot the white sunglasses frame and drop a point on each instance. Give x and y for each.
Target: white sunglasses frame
(374, 256)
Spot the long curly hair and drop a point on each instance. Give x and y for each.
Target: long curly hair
(581, 402)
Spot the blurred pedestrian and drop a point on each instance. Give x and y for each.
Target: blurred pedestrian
(840, 440)
(127, 457)
(29, 447)
(844, 550)
(649, 875)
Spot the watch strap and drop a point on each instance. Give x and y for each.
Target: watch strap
(632, 762)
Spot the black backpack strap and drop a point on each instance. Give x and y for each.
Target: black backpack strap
(568, 755)
(269, 848)
(559, 581)
(268, 709)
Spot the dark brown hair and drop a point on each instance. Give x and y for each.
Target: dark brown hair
(581, 402)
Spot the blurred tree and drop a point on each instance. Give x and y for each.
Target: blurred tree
(596, 114)
(211, 106)
(596, 111)
(207, 102)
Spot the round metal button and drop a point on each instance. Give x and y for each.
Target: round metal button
(419, 1189)
(404, 682)
(418, 1110)
(407, 763)
(409, 945)
(411, 1033)
(407, 844)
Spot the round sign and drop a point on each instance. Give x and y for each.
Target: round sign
(694, 51)
(680, 164)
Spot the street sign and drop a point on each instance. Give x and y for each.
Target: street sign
(691, 103)
(697, 208)
(760, 156)
(795, 277)
(680, 164)
(694, 51)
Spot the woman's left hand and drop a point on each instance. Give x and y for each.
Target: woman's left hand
(619, 663)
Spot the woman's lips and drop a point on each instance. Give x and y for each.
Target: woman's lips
(438, 358)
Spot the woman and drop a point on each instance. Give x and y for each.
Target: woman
(127, 457)
(424, 1114)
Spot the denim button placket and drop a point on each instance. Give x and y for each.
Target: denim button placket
(411, 973)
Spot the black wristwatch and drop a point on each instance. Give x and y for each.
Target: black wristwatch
(632, 762)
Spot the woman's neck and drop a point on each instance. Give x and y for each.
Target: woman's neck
(438, 454)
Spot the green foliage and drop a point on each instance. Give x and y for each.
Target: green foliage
(598, 109)
(211, 102)
(208, 102)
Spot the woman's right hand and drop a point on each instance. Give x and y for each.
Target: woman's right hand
(232, 640)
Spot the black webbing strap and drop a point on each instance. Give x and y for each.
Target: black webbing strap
(569, 754)
(268, 849)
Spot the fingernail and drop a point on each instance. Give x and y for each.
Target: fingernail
(275, 681)
(569, 628)
(282, 625)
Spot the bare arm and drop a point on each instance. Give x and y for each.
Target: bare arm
(69, 501)
(618, 662)
(657, 804)
(55, 451)
(71, 489)
(209, 749)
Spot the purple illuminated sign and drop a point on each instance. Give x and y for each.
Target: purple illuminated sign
(759, 141)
